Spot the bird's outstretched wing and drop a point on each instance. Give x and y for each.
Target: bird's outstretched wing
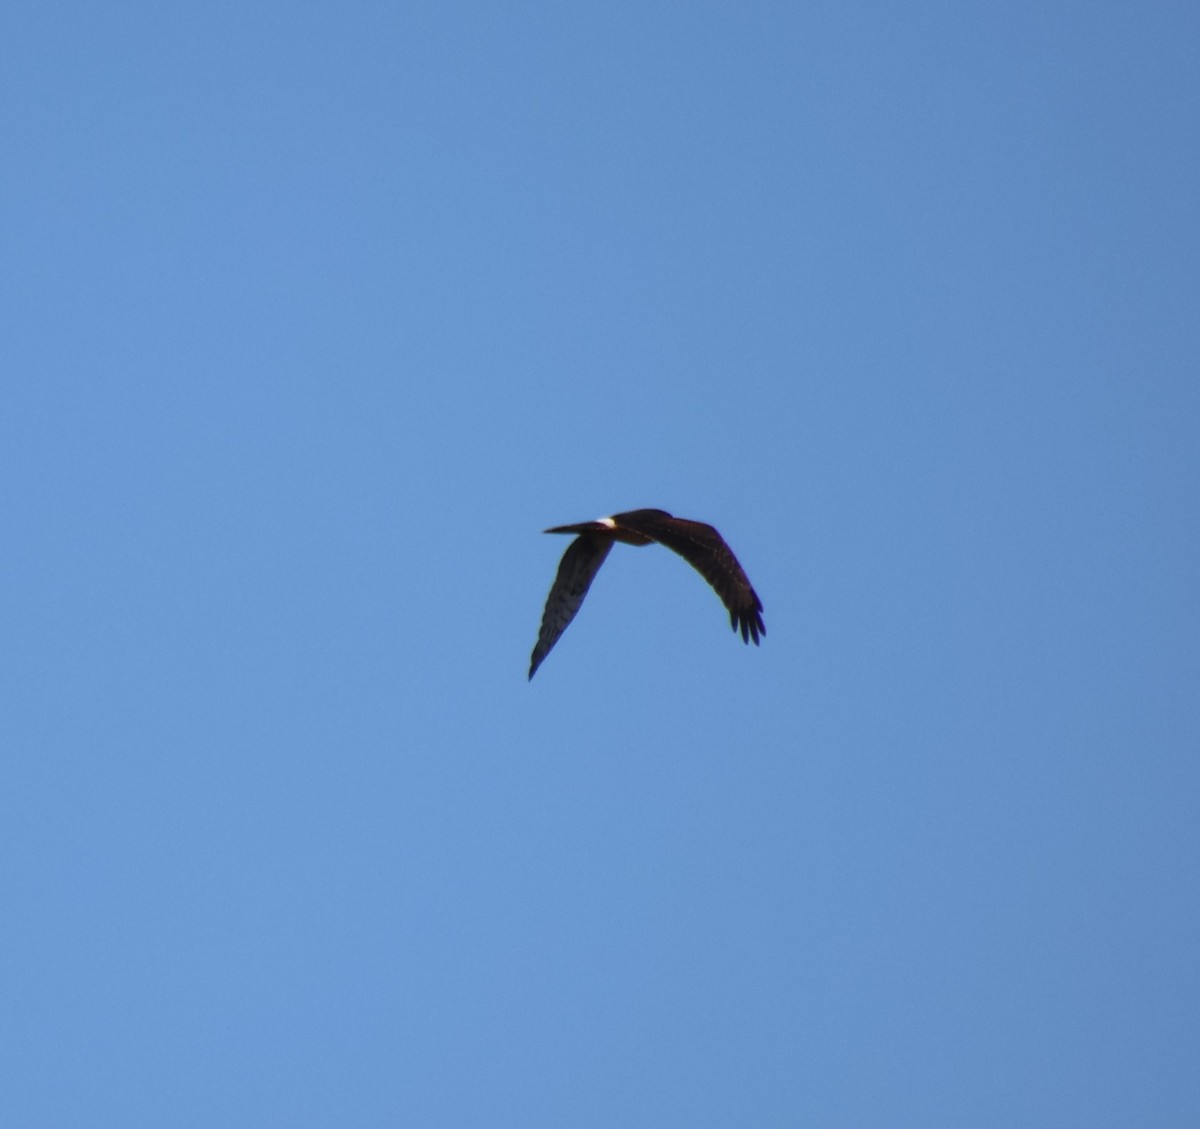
(705, 550)
(576, 570)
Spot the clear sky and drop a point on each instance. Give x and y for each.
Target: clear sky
(315, 315)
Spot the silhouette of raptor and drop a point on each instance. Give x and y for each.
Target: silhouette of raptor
(699, 544)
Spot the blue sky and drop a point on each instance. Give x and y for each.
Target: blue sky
(316, 315)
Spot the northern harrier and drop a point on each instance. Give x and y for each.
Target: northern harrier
(699, 544)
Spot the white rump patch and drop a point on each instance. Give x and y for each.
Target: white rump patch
(607, 522)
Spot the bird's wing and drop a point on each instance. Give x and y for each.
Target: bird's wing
(576, 570)
(705, 550)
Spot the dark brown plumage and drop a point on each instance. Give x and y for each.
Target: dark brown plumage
(699, 544)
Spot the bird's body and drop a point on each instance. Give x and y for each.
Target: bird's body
(699, 544)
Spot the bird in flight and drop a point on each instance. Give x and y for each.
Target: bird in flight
(699, 544)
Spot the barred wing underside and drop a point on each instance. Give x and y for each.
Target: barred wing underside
(576, 571)
(705, 550)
